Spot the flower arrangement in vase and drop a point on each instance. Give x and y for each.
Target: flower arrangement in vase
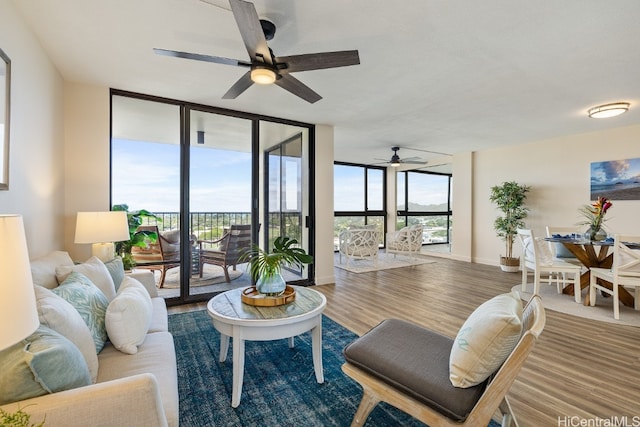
(594, 214)
(265, 267)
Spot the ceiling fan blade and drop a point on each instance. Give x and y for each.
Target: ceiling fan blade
(251, 30)
(199, 57)
(240, 86)
(317, 61)
(413, 159)
(296, 87)
(413, 162)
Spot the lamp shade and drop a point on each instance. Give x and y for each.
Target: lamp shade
(102, 227)
(18, 313)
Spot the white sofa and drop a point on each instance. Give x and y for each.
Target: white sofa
(138, 389)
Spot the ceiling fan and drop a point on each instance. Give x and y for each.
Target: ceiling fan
(396, 161)
(264, 66)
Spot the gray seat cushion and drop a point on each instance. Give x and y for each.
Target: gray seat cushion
(415, 361)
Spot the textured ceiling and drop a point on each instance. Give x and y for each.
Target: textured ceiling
(442, 76)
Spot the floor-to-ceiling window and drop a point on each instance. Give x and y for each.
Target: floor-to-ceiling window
(425, 198)
(200, 171)
(359, 197)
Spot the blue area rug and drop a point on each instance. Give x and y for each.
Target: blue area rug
(279, 387)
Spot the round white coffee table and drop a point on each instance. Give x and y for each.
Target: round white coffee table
(240, 321)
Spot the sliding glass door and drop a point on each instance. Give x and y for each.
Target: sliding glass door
(212, 179)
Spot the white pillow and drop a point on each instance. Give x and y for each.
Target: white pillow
(129, 316)
(485, 340)
(95, 270)
(57, 314)
(43, 269)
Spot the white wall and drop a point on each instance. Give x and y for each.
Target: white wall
(36, 187)
(324, 205)
(558, 171)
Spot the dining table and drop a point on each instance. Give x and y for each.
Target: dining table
(591, 254)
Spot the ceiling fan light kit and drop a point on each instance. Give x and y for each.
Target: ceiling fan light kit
(608, 110)
(265, 67)
(263, 75)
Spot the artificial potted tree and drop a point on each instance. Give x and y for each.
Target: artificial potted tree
(509, 197)
(266, 267)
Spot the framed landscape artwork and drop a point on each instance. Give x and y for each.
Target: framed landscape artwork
(616, 179)
(5, 84)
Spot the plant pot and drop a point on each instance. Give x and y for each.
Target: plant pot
(271, 285)
(509, 265)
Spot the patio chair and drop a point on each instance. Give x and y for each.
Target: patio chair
(408, 367)
(229, 248)
(624, 272)
(160, 256)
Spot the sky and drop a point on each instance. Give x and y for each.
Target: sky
(147, 176)
(606, 173)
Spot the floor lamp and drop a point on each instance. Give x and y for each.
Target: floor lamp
(18, 313)
(101, 229)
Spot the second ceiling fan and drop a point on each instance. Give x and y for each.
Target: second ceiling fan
(264, 66)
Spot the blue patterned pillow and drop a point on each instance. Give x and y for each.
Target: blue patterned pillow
(90, 302)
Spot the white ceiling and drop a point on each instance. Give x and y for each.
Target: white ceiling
(447, 76)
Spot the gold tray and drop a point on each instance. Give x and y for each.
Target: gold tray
(251, 296)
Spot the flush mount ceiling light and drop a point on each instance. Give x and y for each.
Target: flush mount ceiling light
(263, 76)
(608, 110)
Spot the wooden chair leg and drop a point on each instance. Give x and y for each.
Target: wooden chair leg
(226, 273)
(368, 402)
(163, 272)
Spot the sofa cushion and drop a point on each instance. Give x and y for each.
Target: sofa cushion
(95, 270)
(89, 301)
(485, 340)
(43, 269)
(128, 316)
(159, 319)
(155, 356)
(57, 314)
(45, 362)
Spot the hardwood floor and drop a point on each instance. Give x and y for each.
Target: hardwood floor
(579, 368)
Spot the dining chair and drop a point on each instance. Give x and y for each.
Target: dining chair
(558, 249)
(625, 271)
(536, 257)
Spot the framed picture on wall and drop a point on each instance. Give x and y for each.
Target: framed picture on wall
(616, 179)
(5, 85)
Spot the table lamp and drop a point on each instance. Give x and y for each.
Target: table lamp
(18, 312)
(101, 229)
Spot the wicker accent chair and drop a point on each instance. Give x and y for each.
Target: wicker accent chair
(227, 250)
(160, 256)
(359, 243)
(406, 241)
(407, 366)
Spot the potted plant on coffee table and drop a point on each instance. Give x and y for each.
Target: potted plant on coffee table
(509, 197)
(266, 267)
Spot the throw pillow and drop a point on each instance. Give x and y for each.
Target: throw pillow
(116, 270)
(485, 340)
(89, 301)
(43, 269)
(95, 270)
(57, 314)
(129, 316)
(45, 362)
